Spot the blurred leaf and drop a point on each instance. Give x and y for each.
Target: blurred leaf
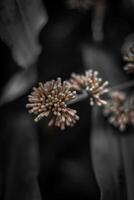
(107, 161)
(20, 158)
(127, 143)
(20, 23)
(103, 60)
(18, 85)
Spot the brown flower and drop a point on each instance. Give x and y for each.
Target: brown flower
(94, 86)
(50, 99)
(129, 58)
(116, 112)
(80, 4)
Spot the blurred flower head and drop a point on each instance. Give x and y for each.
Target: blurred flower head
(129, 58)
(115, 110)
(50, 99)
(93, 84)
(80, 4)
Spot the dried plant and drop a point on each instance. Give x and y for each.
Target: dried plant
(118, 114)
(80, 4)
(129, 58)
(51, 98)
(93, 84)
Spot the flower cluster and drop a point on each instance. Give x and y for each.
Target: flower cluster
(93, 84)
(51, 99)
(118, 115)
(80, 4)
(129, 58)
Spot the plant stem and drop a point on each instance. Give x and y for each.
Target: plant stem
(80, 97)
(123, 86)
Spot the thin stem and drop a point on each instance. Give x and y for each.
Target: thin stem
(123, 86)
(80, 97)
(84, 95)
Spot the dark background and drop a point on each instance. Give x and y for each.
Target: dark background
(37, 162)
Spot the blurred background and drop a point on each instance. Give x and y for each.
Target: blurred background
(43, 40)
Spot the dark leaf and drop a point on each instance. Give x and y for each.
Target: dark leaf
(20, 159)
(18, 85)
(20, 23)
(106, 158)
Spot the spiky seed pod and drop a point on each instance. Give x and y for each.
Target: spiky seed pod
(93, 84)
(50, 99)
(129, 58)
(80, 4)
(115, 110)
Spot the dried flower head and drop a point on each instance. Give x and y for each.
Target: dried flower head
(129, 67)
(93, 84)
(80, 4)
(118, 115)
(50, 99)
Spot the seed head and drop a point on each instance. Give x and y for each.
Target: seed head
(50, 99)
(94, 86)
